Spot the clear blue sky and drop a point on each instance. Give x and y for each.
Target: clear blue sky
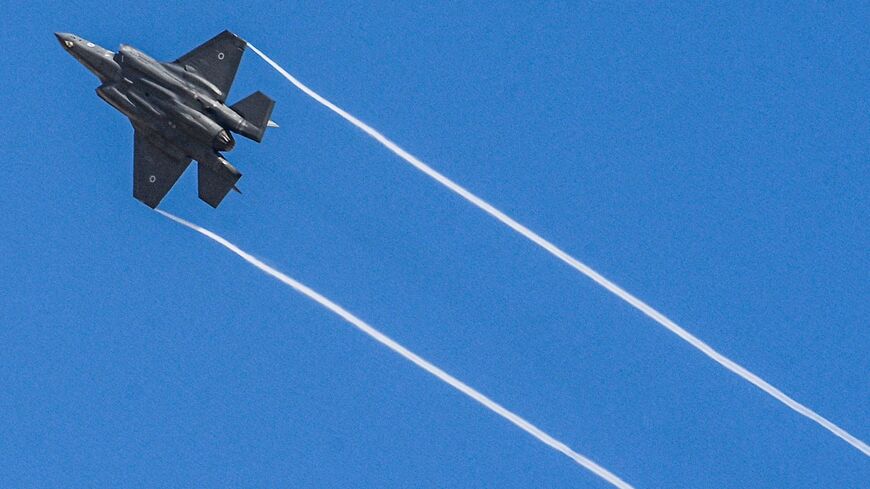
(712, 160)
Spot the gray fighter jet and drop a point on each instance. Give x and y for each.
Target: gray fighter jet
(178, 111)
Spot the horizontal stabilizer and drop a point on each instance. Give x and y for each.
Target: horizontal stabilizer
(256, 109)
(216, 179)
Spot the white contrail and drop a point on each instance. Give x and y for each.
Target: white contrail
(581, 267)
(420, 362)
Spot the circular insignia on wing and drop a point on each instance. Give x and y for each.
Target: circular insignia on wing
(90, 44)
(220, 55)
(152, 179)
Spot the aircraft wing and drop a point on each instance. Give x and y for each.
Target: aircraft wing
(156, 167)
(216, 60)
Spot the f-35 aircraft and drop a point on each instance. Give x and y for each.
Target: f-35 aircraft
(178, 111)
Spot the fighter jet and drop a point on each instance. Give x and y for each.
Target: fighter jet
(178, 111)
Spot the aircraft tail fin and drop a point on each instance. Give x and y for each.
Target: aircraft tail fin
(256, 108)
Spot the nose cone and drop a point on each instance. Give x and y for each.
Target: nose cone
(65, 39)
(95, 58)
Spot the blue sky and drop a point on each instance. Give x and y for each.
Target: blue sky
(711, 160)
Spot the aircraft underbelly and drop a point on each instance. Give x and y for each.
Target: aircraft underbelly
(178, 111)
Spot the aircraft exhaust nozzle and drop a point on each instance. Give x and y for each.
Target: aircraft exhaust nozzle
(256, 110)
(223, 141)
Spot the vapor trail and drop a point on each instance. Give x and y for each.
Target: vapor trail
(579, 266)
(409, 355)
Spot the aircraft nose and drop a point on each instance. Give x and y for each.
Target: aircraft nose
(65, 39)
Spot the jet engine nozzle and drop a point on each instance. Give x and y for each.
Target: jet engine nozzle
(223, 141)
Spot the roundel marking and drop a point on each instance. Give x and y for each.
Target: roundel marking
(90, 44)
(152, 179)
(220, 55)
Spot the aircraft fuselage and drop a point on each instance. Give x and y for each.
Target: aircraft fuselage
(176, 103)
